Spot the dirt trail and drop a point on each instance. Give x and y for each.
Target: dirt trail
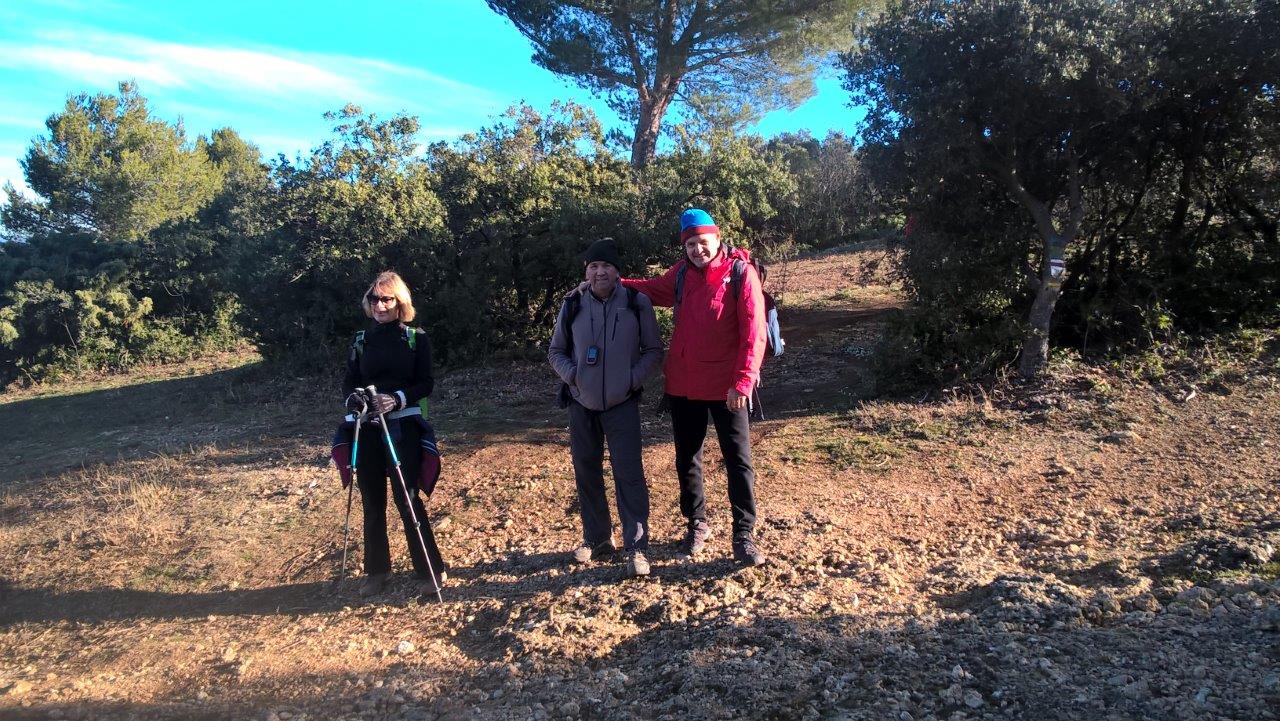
(1091, 549)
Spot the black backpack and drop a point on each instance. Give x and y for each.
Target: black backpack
(773, 330)
(569, 311)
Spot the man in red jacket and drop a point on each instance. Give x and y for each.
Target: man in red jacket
(714, 363)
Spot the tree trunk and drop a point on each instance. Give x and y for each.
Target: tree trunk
(645, 145)
(1035, 349)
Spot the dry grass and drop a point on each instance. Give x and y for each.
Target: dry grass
(132, 509)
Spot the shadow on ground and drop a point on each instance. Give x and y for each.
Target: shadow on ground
(1029, 664)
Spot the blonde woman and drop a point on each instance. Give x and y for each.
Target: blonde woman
(395, 358)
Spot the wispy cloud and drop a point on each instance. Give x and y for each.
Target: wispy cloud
(11, 172)
(31, 122)
(270, 75)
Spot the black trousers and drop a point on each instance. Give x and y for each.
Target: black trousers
(588, 431)
(373, 471)
(689, 427)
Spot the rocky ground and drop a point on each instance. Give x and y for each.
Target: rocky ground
(1096, 547)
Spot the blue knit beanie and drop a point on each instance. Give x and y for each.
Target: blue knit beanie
(696, 221)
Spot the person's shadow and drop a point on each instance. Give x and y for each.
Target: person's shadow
(42, 605)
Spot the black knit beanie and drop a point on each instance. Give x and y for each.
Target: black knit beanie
(604, 250)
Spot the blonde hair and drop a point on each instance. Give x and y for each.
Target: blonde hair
(391, 282)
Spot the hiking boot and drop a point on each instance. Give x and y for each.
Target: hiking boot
(429, 584)
(587, 552)
(695, 538)
(443, 573)
(637, 564)
(747, 553)
(373, 584)
(429, 587)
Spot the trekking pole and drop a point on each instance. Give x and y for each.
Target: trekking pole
(408, 499)
(755, 392)
(346, 525)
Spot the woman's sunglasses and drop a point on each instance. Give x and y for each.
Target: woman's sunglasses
(375, 299)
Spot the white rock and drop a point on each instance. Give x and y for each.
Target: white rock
(405, 648)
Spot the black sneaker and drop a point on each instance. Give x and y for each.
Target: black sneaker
(695, 538)
(747, 553)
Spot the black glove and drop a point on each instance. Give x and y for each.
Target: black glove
(384, 403)
(356, 402)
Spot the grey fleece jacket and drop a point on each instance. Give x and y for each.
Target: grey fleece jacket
(630, 348)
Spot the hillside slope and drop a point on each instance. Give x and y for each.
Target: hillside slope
(1089, 549)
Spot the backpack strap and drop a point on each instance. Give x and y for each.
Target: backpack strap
(569, 311)
(675, 307)
(631, 302)
(411, 337)
(735, 276)
(357, 345)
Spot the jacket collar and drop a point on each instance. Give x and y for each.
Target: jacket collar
(716, 263)
(393, 326)
(617, 288)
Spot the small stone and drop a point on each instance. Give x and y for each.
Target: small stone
(1145, 602)
(569, 709)
(1059, 469)
(18, 688)
(1197, 593)
(972, 699)
(1137, 690)
(229, 655)
(442, 524)
(404, 648)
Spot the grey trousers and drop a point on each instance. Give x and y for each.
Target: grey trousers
(588, 431)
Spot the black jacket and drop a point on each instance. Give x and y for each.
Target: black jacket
(388, 363)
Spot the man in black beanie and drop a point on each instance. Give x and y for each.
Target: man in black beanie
(606, 343)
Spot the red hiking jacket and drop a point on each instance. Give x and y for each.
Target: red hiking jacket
(719, 340)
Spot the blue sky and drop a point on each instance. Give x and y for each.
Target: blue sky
(270, 69)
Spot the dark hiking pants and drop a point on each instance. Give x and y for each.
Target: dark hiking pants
(373, 471)
(689, 427)
(588, 431)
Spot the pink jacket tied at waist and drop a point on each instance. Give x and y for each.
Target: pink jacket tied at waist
(719, 340)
